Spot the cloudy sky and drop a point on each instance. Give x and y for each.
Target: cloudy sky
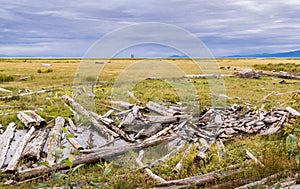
(55, 28)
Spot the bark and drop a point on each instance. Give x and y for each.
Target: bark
(54, 139)
(35, 146)
(99, 127)
(5, 140)
(75, 144)
(12, 166)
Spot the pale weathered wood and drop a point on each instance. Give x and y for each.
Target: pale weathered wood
(148, 171)
(54, 139)
(22, 94)
(293, 111)
(35, 146)
(12, 166)
(178, 166)
(75, 144)
(101, 128)
(72, 125)
(260, 182)
(163, 110)
(255, 160)
(133, 97)
(5, 90)
(40, 122)
(92, 157)
(27, 120)
(153, 129)
(122, 104)
(160, 119)
(5, 140)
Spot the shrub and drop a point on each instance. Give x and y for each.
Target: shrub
(5, 78)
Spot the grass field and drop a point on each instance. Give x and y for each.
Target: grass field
(59, 77)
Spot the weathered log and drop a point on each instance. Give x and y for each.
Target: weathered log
(145, 133)
(92, 157)
(108, 113)
(122, 104)
(254, 159)
(5, 90)
(27, 120)
(12, 166)
(22, 94)
(35, 146)
(148, 171)
(131, 116)
(261, 182)
(40, 122)
(75, 144)
(186, 152)
(293, 111)
(282, 74)
(100, 128)
(160, 119)
(160, 133)
(72, 125)
(197, 76)
(54, 140)
(5, 140)
(133, 97)
(105, 120)
(160, 109)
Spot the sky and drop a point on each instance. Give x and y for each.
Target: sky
(56, 28)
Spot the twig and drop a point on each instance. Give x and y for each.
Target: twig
(255, 160)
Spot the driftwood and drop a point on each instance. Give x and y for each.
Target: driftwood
(196, 76)
(72, 125)
(148, 171)
(30, 118)
(293, 111)
(255, 160)
(91, 158)
(5, 140)
(283, 75)
(186, 152)
(101, 128)
(5, 90)
(122, 104)
(163, 110)
(12, 166)
(35, 146)
(146, 133)
(22, 94)
(54, 140)
(75, 143)
(261, 182)
(133, 97)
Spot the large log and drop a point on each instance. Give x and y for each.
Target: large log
(12, 166)
(92, 157)
(100, 128)
(27, 120)
(35, 146)
(145, 133)
(5, 140)
(160, 109)
(22, 94)
(54, 140)
(30, 118)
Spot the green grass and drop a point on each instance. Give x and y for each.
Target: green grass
(270, 150)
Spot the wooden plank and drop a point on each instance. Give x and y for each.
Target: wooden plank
(5, 140)
(12, 166)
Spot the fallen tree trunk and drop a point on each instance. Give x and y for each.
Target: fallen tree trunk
(91, 158)
(26, 119)
(146, 133)
(100, 128)
(22, 94)
(54, 140)
(12, 166)
(163, 110)
(35, 146)
(30, 118)
(261, 182)
(5, 140)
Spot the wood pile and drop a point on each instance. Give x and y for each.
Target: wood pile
(134, 128)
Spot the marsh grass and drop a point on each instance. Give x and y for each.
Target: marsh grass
(270, 150)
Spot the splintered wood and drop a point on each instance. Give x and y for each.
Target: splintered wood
(134, 127)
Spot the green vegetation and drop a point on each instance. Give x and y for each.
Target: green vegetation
(286, 67)
(273, 151)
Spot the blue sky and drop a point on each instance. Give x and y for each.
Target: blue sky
(69, 28)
